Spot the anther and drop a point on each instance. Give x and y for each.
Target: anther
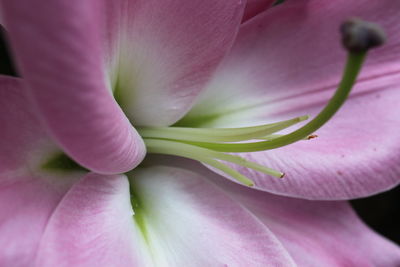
(312, 136)
(359, 35)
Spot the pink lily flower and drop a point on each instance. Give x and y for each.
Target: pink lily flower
(192, 64)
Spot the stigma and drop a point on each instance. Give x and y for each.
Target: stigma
(212, 146)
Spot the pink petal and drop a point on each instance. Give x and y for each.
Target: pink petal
(33, 197)
(187, 221)
(283, 67)
(255, 7)
(28, 193)
(58, 46)
(190, 222)
(20, 129)
(25, 147)
(318, 233)
(163, 53)
(25, 206)
(91, 226)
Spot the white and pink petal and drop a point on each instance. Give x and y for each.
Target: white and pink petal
(155, 56)
(317, 233)
(163, 53)
(189, 221)
(34, 196)
(92, 226)
(59, 51)
(28, 191)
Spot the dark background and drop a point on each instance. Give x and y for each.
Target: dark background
(381, 213)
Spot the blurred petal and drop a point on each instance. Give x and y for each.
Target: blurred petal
(58, 45)
(189, 222)
(92, 226)
(318, 233)
(255, 7)
(165, 51)
(283, 67)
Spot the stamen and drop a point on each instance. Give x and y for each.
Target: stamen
(311, 136)
(353, 66)
(217, 134)
(178, 149)
(197, 153)
(211, 145)
(274, 136)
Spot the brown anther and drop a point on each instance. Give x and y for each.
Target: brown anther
(312, 136)
(359, 35)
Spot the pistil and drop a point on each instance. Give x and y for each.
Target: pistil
(353, 67)
(210, 146)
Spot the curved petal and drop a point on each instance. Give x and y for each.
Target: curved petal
(28, 193)
(187, 221)
(163, 53)
(34, 198)
(287, 63)
(318, 233)
(92, 226)
(25, 147)
(58, 46)
(255, 7)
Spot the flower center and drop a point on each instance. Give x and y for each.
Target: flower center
(212, 145)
